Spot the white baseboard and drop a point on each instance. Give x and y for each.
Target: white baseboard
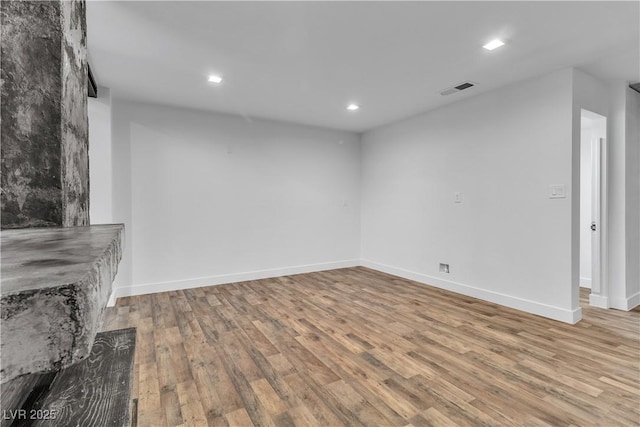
(150, 288)
(626, 304)
(633, 301)
(529, 306)
(598, 301)
(585, 282)
(555, 313)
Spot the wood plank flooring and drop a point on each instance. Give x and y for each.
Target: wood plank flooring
(356, 347)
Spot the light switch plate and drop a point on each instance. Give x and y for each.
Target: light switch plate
(457, 197)
(557, 191)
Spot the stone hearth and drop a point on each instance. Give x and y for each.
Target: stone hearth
(55, 285)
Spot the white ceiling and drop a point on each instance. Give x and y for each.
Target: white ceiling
(305, 61)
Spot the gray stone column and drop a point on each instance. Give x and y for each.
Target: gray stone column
(44, 128)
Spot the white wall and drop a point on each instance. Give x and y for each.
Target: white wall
(632, 155)
(506, 242)
(590, 94)
(100, 167)
(586, 134)
(611, 99)
(216, 198)
(624, 194)
(616, 193)
(210, 198)
(121, 191)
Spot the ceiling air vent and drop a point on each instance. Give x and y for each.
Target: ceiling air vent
(457, 88)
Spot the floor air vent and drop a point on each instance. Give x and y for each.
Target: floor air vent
(457, 88)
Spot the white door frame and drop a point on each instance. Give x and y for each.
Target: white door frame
(599, 296)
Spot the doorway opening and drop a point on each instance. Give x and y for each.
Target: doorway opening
(593, 202)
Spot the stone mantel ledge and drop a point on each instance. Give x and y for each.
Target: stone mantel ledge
(55, 283)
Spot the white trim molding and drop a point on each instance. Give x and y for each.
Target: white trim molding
(599, 301)
(551, 312)
(585, 282)
(626, 304)
(151, 288)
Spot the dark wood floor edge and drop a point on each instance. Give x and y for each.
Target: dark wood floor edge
(125, 331)
(134, 412)
(35, 396)
(51, 386)
(133, 407)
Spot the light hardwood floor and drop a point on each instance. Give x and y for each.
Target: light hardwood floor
(359, 347)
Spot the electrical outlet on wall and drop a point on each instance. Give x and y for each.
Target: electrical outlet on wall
(444, 268)
(557, 191)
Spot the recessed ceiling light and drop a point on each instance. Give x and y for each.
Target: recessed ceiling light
(353, 107)
(215, 79)
(493, 44)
